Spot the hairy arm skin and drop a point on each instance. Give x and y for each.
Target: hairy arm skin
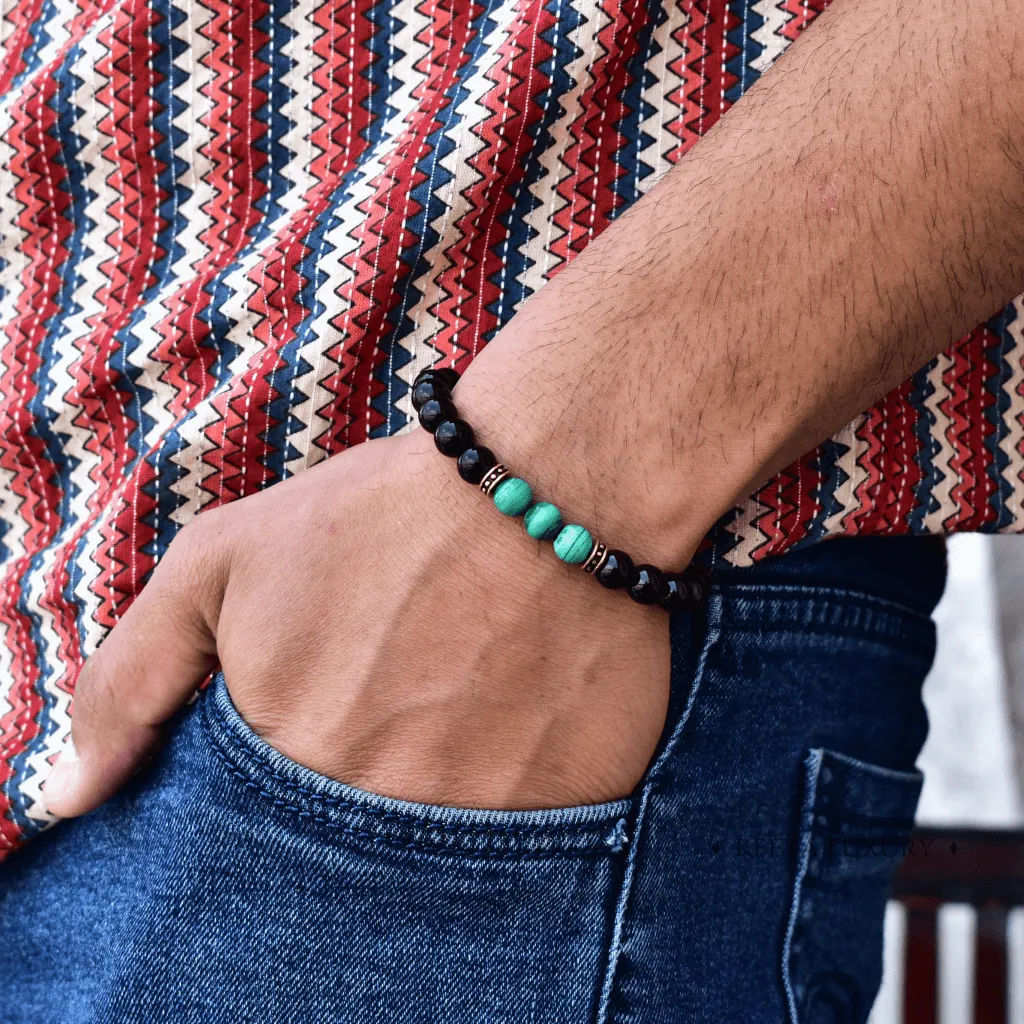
(859, 210)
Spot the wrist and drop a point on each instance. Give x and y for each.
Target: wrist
(620, 468)
(452, 527)
(572, 543)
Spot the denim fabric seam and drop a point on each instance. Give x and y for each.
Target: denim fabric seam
(813, 764)
(711, 638)
(805, 590)
(882, 771)
(820, 611)
(604, 838)
(824, 806)
(411, 845)
(344, 805)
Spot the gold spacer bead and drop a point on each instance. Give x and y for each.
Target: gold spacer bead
(597, 557)
(493, 477)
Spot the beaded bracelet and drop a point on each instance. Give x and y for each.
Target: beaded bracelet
(574, 545)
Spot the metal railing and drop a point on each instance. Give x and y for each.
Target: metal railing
(982, 868)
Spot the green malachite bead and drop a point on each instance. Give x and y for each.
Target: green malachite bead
(573, 544)
(543, 521)
(513, 496)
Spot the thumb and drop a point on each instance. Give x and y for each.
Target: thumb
(144, 671)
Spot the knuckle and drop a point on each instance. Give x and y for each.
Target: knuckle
(195, 552)
(193, 572)
(195, 537)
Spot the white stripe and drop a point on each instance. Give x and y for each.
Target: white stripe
(848, 465)
(540, 250)
(769, 35)
(748, 537)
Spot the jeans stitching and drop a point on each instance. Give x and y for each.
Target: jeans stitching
(858, 619)
(397, 844)
(605, 835)
(604, 1012)
(812, 770)
(816, 594)
(812, 859)
(353, 805)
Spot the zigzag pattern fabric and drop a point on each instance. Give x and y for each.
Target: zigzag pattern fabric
(233, 232)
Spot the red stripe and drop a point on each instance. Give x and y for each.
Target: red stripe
(967, 405)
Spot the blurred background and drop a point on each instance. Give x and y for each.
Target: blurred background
(973, 764)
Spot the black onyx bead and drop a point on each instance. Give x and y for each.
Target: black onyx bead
(474, 463)
(647, 584)
(678, 596)
(614, 574)
(425, 390)
(453, 437)
(435, 412)
(447, 376)
(699, 578)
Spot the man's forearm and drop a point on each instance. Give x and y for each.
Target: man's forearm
(860, 209)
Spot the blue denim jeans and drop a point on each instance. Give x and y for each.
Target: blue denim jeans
(744, 881)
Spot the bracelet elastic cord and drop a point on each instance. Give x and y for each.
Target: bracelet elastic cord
(574, 544)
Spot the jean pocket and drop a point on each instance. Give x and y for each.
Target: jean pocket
(367, 819)
(258, 890)
(855, 825)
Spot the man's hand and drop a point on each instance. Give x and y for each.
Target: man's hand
(379, 623)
